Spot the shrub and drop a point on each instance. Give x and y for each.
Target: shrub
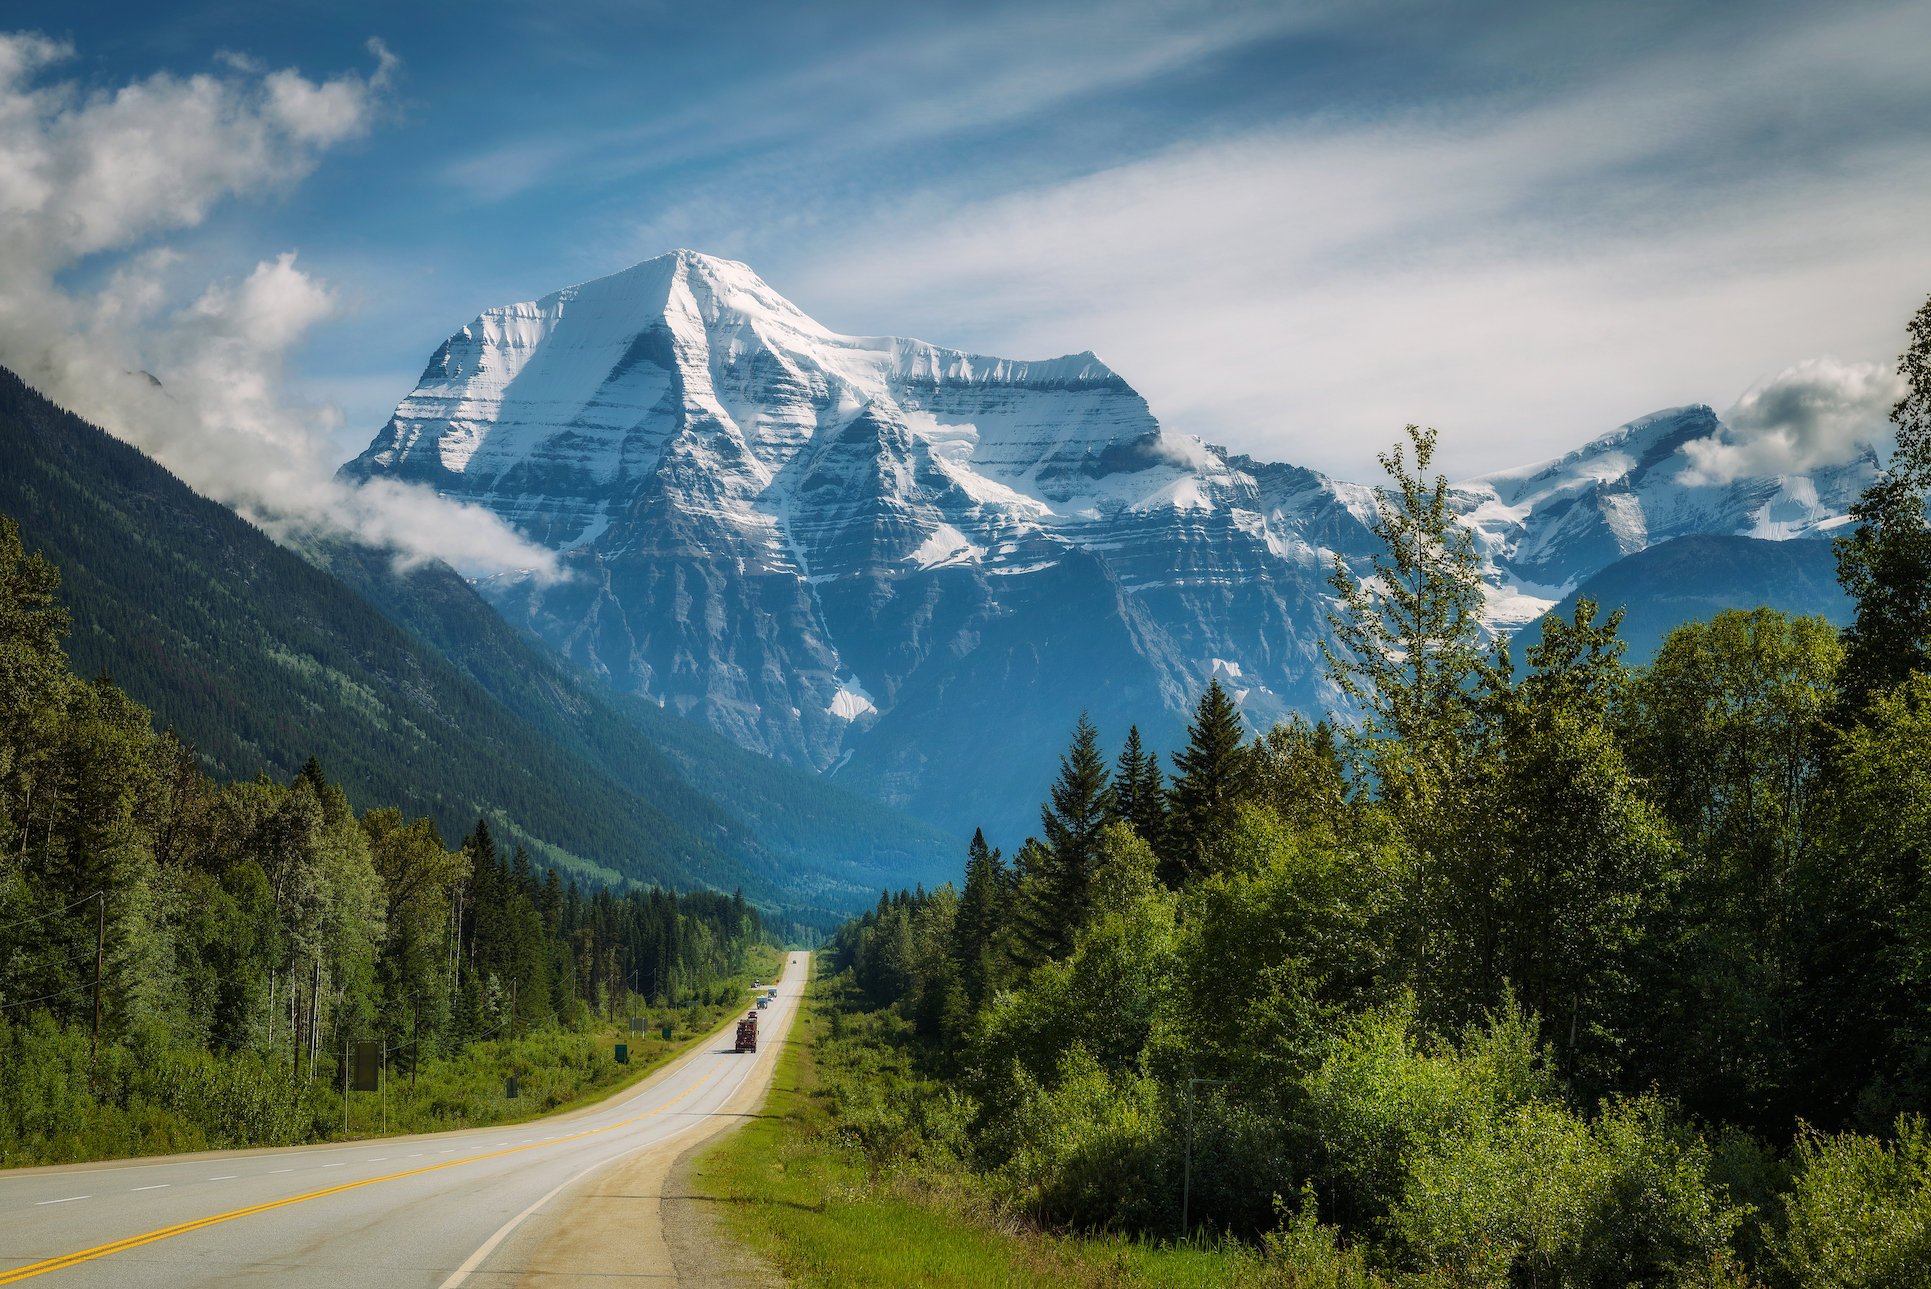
(1860, 1214)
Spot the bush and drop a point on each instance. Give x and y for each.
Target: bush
(1860, 1214)
(1078, 1153)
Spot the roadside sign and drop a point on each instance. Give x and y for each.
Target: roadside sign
(623, 1054)
(509, 1086)
(367, 1053)
(667, 1033)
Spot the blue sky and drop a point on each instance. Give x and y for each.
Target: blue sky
(1293, 227)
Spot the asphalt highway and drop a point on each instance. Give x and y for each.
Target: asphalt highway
(441, 1210)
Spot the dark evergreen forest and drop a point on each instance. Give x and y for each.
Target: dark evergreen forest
(183, 960)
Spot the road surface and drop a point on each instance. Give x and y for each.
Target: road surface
(553, 1202)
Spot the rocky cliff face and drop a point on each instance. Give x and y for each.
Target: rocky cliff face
(913, 567)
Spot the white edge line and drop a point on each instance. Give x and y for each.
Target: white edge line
(69, 1200)
(489, 1245)
(157, 1187)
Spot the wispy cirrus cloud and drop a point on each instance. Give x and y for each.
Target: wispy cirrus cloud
(1525, 266)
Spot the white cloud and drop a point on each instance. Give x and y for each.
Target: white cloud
(1523, 271)
(103, 173)
(1814, 413)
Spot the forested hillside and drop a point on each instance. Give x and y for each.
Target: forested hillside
(1567, 974)
(182, 960)
(259, 660)
(816, 840)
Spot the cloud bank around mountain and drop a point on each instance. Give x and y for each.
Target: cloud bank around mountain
(1818, 412)
(197, 378)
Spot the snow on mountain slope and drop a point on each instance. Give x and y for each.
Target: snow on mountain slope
(1547, 527)
(913, 566)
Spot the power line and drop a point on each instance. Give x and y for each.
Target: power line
(89, 899)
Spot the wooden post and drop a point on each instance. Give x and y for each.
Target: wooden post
(100, 942)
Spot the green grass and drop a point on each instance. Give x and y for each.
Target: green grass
(555, 1070)
(825, 1214)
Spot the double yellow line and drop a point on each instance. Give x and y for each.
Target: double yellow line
(136, 1241)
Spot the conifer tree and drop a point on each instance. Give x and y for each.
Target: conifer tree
(981, 916)
(1139, 792)
(1211, 777)
(1059, 898)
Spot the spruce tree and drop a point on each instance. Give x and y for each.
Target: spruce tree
(1885, 563)
(1139, 792)
(1210, 778)
(981, 916)
(1059, 900)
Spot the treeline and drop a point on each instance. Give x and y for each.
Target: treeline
(1579, 976)
(264, 925)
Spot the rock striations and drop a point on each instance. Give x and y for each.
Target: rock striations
(913, 567)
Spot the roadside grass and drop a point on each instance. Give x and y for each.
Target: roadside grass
(145, 1097)
(816, 1208)
(555, 1070)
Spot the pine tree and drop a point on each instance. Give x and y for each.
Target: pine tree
(1059, 898)
(981, 916)
(1139, 792)
(1211, 777)
(1885, 563)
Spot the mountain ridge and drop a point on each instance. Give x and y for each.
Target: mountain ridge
(790, 535)
(260, 658)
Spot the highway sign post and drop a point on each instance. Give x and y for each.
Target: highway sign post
(367, 1078)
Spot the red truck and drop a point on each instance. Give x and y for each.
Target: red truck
(748, 1033)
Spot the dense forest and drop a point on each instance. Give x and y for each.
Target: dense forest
(1566, 973)
(183, 961)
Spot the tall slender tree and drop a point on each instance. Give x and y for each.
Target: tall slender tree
(1139, 791)
(1409, 634)
(1213, 774)
(1058, 896)
(1885, 562)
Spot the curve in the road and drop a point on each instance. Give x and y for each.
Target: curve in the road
(478, 1197)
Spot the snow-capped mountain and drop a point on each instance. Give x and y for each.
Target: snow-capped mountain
(914, 567)
(1547, 527)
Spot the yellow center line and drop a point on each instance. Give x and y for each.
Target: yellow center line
(136, 1241)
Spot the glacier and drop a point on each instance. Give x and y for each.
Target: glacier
(915, 567)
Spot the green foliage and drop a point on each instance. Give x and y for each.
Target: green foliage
(1885, 562)
(1057, 899)
(238, 937)
(1139, 791)
(1408, 633)
(1211, 777)
(1075, 1150)
(1859, 1216)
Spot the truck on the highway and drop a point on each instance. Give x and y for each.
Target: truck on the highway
(748, 1033)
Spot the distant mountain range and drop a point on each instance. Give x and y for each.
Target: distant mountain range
(413, 692)
(911, 568)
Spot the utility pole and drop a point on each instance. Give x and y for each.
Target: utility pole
(100, 942)
(1186, 1183)
(415, 1039)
